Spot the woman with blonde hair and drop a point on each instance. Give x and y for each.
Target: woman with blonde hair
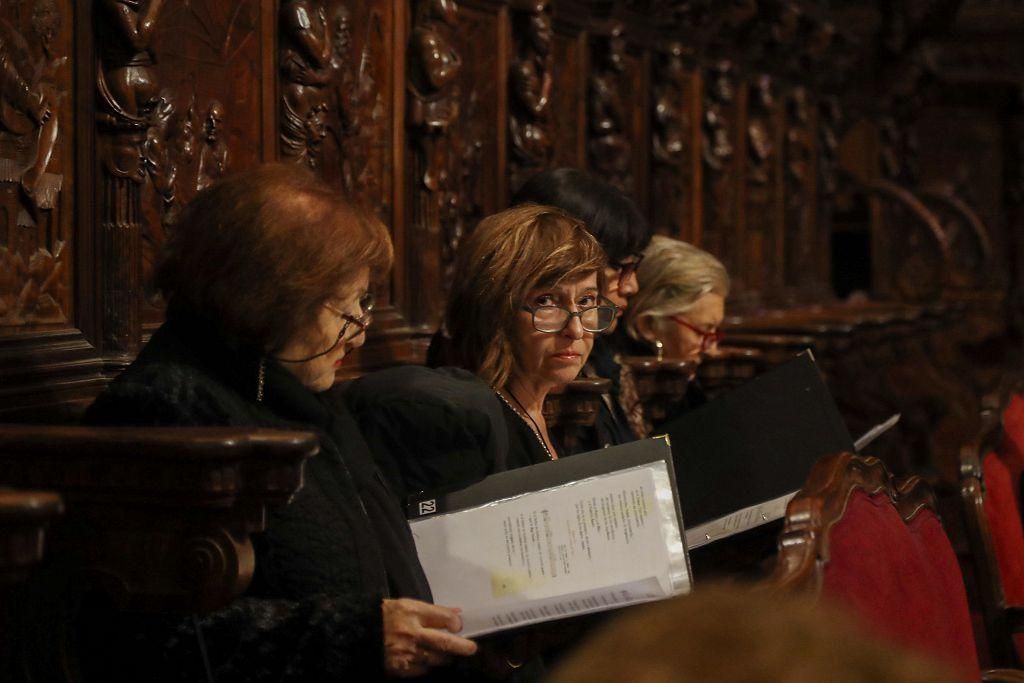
(681, 303)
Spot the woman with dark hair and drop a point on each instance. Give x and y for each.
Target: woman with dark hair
(613, 219)
(267, 279)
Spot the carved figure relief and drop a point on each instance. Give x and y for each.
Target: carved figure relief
(33, 266)
(306, 53)
(611, 152)
(717, 153)
(760, 243)
(530, 79)
(760, 142)
(671, 119)
(434, 67)
(670, 141)
(213, 157)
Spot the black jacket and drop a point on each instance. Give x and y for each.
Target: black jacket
(325, 561)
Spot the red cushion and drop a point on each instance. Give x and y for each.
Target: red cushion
(903, 579)
(1012, 447)
(1004, 522)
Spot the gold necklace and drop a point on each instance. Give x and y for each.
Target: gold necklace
(525, 416)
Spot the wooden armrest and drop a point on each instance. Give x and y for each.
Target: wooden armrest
(158, 518)
(1003, 675)
(577, 403)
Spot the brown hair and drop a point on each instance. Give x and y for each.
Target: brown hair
(259, 252)
(730, 633)
(509, 254)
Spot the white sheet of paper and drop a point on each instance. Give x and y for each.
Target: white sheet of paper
(599, 543)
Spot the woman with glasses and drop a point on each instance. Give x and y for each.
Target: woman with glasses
(613, 219)
(679, 310)
(267, 280)
(523, 311)
(681, 303)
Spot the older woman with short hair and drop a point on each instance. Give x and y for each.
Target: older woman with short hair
(267, 278)
(681, 303)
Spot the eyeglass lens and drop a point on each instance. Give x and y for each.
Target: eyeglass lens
(555, 318)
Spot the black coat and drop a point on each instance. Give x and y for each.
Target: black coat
(325, 561)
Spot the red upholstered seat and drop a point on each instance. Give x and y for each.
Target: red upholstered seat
(902, 578)
(1005, 524)
(1011, 449)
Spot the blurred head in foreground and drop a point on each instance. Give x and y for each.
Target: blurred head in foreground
(731, 634)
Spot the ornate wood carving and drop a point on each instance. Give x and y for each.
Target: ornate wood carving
(530, 80)
(35, 262)
(762, 247)
(673, 154)
(434, 109)
(610, 149)
(718, 152)
(804, 542)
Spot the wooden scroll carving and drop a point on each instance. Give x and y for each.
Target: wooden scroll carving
(610, 149)
(531, 133)
(34, 260)
(969, 239)
(169, 510)
(306, 52)
(672, 142)
(804, 542)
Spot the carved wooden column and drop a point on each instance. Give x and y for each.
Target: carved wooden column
(610, 150)
(718, 153)
(434, 64)
(675, 103)
(531, 133)
(800, 190)
(127, 99)
(762, 248)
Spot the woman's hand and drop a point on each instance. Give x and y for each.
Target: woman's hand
(418, 636)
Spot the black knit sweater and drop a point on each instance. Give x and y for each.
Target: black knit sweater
(325, 560)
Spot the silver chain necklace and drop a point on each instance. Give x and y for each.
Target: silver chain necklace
(525, 416)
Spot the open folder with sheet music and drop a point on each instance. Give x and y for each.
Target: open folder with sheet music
(593, 532)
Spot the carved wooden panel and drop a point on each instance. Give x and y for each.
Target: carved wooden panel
(675, 143)
(800, 180)
(762, 185)
(720, 162)
(205, 117)
(610, 140)
(569, 98)
(36, 164)
(456, 129)
(530, 91)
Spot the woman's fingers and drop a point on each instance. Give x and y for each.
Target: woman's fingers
(437, 616)
(446, 643)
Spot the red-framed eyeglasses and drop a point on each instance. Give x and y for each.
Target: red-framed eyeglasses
(708, 338)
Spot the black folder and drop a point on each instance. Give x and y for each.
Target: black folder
(753, 445)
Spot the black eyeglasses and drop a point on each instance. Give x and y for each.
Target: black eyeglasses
(626, 268)
(554, 319)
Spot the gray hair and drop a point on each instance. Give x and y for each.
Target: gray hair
(673, 276)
